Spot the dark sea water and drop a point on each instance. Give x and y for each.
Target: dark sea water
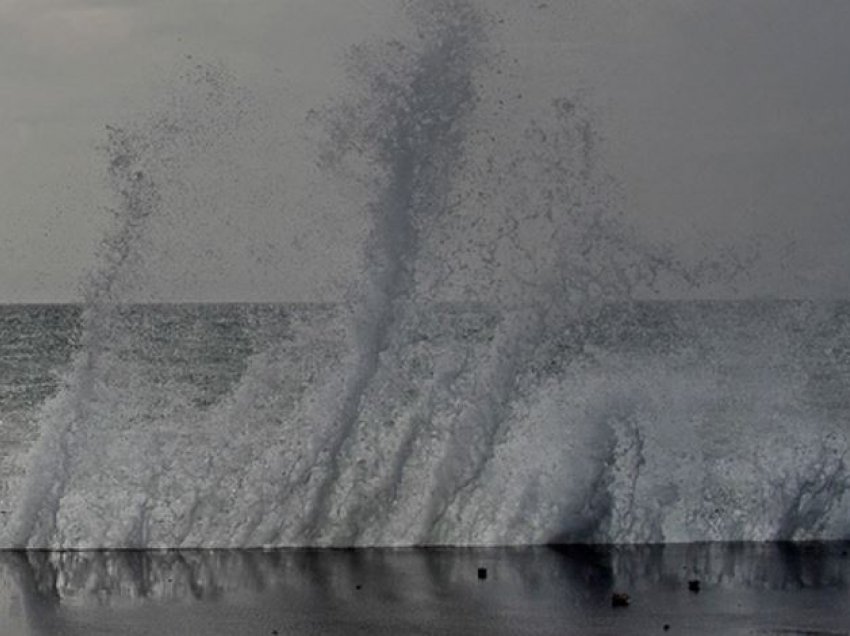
(200, 346)
(205, 347)
(778, 589)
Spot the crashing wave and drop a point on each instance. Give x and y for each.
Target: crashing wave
(531, 411)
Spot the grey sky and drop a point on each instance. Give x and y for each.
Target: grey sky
(721, 119)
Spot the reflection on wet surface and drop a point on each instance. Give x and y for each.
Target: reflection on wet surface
(748, 589)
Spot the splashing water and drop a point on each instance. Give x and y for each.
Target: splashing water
(491, 380)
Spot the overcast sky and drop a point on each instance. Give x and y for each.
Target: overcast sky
(723, 121)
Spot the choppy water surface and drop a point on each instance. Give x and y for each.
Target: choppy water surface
(206, 426)
(744, 589)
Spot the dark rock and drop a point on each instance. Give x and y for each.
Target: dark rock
(694, 585)
(482, 573)
(666, 627)
(620, 599)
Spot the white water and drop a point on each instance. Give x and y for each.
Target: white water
(397, 420)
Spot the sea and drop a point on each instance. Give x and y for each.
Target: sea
(234, 426)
